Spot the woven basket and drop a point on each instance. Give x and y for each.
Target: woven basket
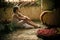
(50, 18)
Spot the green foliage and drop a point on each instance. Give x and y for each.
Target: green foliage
(6, 28)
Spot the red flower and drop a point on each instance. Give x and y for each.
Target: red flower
(46, 32)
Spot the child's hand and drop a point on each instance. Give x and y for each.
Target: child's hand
(27, 18)
(23, 18)
(20, 21)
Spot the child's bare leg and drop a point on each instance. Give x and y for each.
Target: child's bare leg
(31, 23)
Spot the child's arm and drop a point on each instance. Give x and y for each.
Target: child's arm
(19, 18)
(23, 16)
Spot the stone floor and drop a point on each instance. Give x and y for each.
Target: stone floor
(22, 34)
(26, 34)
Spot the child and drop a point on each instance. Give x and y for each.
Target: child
(22, 20)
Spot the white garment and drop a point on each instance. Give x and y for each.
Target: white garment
(20, 23)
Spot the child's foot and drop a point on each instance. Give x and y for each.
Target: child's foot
(38, 26)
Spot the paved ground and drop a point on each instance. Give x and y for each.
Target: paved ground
(26, 34)
(22, 34)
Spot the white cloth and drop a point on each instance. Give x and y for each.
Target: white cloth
(20, 23)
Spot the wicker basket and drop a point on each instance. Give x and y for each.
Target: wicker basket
(50, 18)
